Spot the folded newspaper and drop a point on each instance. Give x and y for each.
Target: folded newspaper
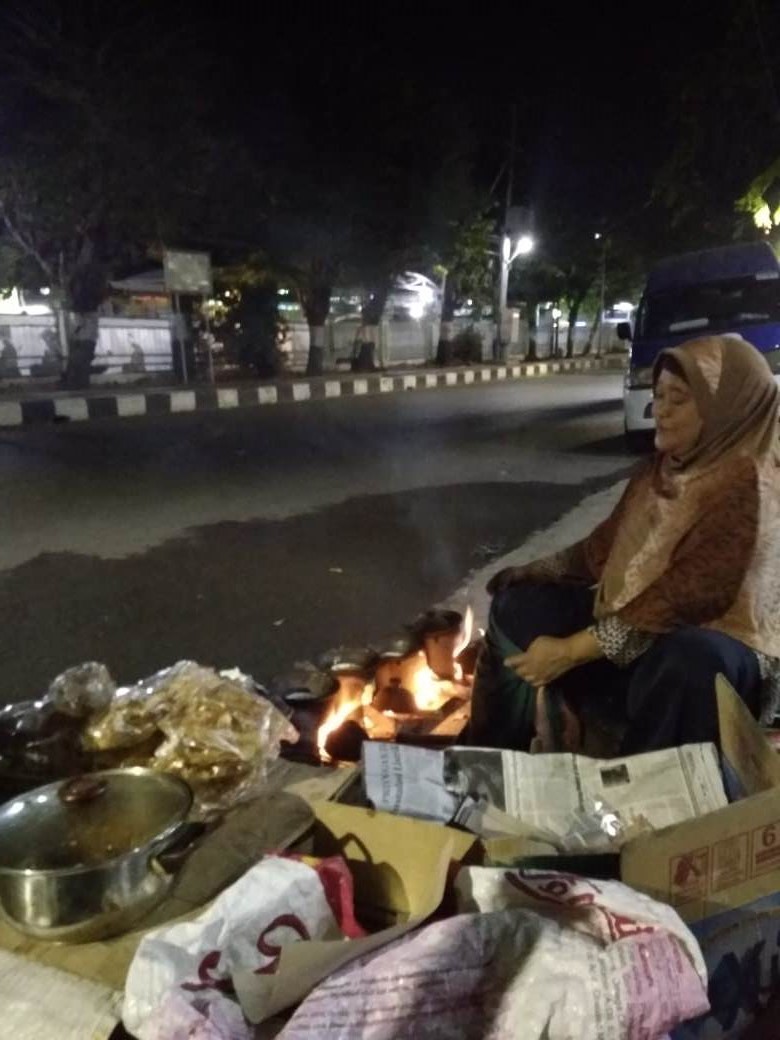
(493, 791)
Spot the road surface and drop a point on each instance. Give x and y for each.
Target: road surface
(261, 538)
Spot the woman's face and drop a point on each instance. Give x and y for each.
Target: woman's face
(677, 419)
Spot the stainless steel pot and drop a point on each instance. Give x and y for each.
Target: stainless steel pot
(85, 858)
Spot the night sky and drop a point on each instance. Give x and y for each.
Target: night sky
(596, 88)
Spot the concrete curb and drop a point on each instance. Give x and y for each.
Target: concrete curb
(134, 403)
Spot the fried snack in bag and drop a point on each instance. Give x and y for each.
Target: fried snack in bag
(219, 737)
(213, 730)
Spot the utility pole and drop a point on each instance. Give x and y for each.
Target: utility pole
(602, 291)
(504, 245)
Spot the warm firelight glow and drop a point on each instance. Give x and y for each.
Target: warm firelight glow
(353, 694)
(429, 691)
(335, 719)
(463, 642)
(425, 687)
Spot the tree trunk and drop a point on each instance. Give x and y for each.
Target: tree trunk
(373, 309)
(82, 343)
(594, 326)
(445, 350)
(316, 308)
(86, 290)
(574, 313)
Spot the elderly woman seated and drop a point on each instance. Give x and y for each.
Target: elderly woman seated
(681, 583)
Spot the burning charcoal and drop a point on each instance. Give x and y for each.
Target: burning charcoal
(394, 697)
(344, 744)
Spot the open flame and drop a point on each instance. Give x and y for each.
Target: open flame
(425, 686)
(463, 642)
(430, 692)
(353, 694)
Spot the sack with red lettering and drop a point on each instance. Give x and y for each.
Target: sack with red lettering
(626, 961)
(180, 981)
(541, 956)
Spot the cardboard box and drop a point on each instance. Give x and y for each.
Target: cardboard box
(721, 872)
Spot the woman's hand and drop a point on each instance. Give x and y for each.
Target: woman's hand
(545, 660)
(548, 658)
(503, 579)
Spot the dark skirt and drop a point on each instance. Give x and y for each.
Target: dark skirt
(665, 698)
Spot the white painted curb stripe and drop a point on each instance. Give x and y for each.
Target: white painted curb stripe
(10, 413)
(130, 405)
(183, 401)
(73, 408)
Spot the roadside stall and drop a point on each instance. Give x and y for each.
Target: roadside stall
(196, 855)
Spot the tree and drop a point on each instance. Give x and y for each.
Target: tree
(468, 278)
(724, 99)
(98, 165)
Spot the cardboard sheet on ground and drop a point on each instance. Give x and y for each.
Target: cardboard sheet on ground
(400, 870)
(543, 792)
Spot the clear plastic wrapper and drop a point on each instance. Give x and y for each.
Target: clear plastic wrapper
(601, 829)
(219, 737)
(82, 690)
(214, 730)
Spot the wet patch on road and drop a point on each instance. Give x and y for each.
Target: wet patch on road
(263, 594)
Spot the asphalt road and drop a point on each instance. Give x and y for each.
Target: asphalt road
(265, 537)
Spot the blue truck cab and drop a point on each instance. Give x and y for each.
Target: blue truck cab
(731, 289)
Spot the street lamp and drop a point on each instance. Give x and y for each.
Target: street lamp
(510, 250)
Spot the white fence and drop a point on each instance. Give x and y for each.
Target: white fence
(29, 346)
(413, 342)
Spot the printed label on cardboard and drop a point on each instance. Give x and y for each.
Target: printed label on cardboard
(765, 845)
(729, 862)
(688, 874)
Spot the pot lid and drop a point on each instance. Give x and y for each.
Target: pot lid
(89, 820)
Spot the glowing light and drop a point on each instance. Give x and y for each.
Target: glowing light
(463, 642)
(416, 310)
(45, 291)
(556, 313)
(525, 245)
(334, 721)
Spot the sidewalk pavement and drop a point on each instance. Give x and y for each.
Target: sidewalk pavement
(29, 408)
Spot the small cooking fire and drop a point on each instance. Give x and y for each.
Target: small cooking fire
(416, 689)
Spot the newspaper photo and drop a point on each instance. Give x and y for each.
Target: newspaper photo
(544, 792)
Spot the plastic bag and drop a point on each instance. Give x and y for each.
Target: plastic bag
(82, 690)
(212, 729)
(589, 960)
(218, 737)
(279, 901)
